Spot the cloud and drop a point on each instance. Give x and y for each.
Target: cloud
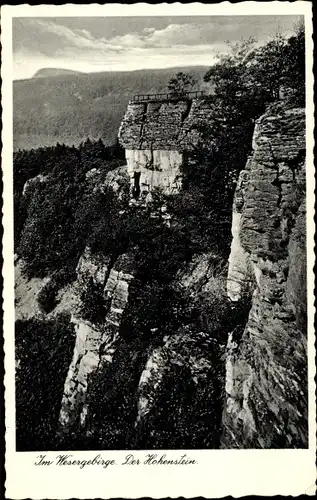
(173, 34)
(46, 42)
(54, 38)
(182, 34)
(77, 39)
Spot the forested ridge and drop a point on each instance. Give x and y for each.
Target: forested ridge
(70, 108)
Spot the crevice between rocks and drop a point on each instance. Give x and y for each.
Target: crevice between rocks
(186, 112)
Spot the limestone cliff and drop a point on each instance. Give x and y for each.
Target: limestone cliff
(105, 366)
(95, 343)
(156, 135)
(147, 319)
(266, 367)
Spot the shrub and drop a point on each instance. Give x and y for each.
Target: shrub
(43, 350)
(55, 219)
(180, 83)
(47, 296)
(93, 303)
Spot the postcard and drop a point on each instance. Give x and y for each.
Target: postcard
(158, 250)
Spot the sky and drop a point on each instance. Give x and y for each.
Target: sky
(91, 44)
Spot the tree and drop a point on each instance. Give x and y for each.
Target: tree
(60, 212)
(230, 75)
(47, 296)
(267, 66)
(43, 348)
(251, 75)
(294, 64)
(93, 303)
(181, 83)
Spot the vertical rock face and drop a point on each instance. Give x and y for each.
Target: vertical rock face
(154, 169)
(240, 270)
(155, 136)
(186, 358)
(266, 368)
(180, 388)
(95, 344)
(153, 125)
(150, 134)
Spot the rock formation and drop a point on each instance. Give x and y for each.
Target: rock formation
(148, 390)
(266, 368)
(155, 136)
(95, 343)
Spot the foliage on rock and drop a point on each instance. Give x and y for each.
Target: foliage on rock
(54, 219)
(43, 354)
(93, 304)
(251, 75)
(180, 83)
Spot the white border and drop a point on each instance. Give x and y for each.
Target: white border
(218, 473)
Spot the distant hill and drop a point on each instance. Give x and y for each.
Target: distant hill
(71, 107)
(45, 72)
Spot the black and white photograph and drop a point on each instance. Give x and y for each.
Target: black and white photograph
(160, 234)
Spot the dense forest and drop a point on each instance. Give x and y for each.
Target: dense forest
(70, 108)
(61, 213)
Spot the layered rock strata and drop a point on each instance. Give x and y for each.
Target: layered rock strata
(266, 368)
(155, 136)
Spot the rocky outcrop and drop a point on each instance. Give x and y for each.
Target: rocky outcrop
(92, 265)
(105, 366)
(95, 343)
(117, 179)
(179, 393)
(150, 169)
(266, 367)
(155, 136)
(182, 349)
(168, 126)
(137, 381)
(185, 372)
(154, 125)
(34, 181)
(241, 278)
